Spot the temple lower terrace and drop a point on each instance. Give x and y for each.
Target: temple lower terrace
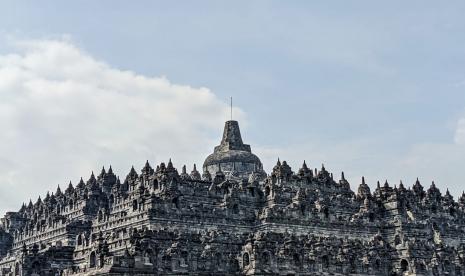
(233, 218)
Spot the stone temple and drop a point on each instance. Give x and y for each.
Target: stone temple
(234, 219)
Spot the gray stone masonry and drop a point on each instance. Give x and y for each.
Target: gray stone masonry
(234, 219)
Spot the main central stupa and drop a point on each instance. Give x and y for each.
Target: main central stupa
(232, 156)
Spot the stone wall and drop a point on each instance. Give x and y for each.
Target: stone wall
(160, 222)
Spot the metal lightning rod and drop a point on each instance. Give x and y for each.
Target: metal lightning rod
(231, 108)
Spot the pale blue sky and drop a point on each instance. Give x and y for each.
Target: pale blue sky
(372, 88)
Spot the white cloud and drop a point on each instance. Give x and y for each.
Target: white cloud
(378, 161)
(356, 158)
(460, 132)
(63, 113)
(442, 162)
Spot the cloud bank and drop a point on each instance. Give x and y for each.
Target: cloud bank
(64, 113)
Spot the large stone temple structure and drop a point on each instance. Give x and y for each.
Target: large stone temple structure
(234, 219)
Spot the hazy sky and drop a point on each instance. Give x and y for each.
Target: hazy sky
(371, 88)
